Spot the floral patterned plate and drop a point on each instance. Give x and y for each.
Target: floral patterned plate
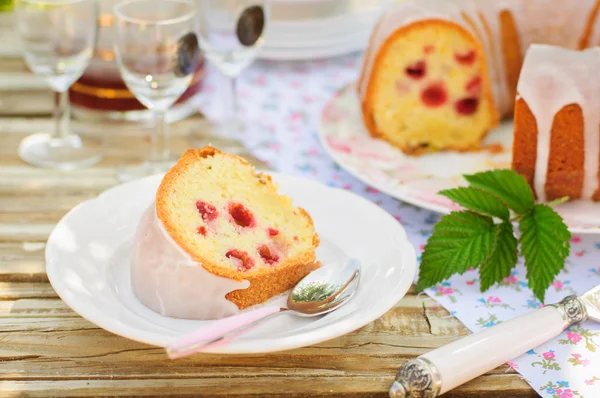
(416, 180)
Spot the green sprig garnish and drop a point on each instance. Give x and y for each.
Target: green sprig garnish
(482, 236)
(314, 292)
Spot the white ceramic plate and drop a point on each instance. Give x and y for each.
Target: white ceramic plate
(312, 38)
(311, 53)
(87, 259)
(417, 180)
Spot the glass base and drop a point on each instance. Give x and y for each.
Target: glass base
(69, 153)
(145, 169)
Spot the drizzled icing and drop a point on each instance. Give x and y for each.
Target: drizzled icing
(551, 79)
(166, 279)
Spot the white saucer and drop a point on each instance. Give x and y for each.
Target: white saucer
(418, 179)
(87, 257)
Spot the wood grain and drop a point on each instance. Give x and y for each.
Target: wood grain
(48, 350)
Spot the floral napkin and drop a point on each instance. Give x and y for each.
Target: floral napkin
(282, 103)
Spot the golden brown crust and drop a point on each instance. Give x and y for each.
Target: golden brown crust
(263, 287)
(263, 281)
(525, 142)
(565, 172)
(584, 41)
(565, 164)
(367, 100)
(511, 50)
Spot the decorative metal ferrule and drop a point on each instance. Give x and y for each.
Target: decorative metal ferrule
(572, 310)
(417, 378)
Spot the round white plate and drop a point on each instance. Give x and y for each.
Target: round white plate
(311, 53)
(300, 42)
(87, 260)
(313, 38)
(417, 180)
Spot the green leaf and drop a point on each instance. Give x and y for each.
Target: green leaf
(460, 240)
(506, 184)
(545, 246)
(478, 200)
(503, 260)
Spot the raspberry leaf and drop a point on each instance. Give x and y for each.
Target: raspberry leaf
(460, 240)
(478, 200)
(507, 185)
(503, 260)
(545, 246)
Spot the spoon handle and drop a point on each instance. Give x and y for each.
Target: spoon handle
(219, 330)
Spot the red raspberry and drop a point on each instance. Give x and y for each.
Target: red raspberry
(241, 215)
(434, 95)
(246, 263)
(467, 106)
(467, 58)
(417, 70)
(474, 86)
(201, 230)
(206, 210)
(267, 256)
(273, 232)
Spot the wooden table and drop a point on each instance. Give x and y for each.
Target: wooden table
(48, 350)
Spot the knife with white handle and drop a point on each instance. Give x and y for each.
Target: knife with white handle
(439, 371)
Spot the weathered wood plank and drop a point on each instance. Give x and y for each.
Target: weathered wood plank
(26, 102)
(36, 308)
(35, 333)
(291, 386)
(28, 232)
(15, 291)
(22, 262)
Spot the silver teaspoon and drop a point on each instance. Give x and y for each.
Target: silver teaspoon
(320, 292)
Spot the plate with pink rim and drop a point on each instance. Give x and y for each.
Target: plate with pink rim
(417, 180)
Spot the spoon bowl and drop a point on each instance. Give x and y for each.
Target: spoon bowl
(320, 292)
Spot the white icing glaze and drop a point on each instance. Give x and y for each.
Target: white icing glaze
(548, 70)
(166, 279)
(545, 22)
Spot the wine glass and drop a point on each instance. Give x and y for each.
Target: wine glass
(231, 34)
(157, 51)
(58, 40)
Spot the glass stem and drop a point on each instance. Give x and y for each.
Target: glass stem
(62, 115)
(234, 99)
(160, 138)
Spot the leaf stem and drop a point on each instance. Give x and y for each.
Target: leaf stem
(558, 201)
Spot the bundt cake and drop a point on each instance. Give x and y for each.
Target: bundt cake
(556, 143)
(219, 238)
(439, 74)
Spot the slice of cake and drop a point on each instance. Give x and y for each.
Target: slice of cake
(220, 223)
(425, 83)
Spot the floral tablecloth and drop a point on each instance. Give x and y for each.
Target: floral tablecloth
(282, 103)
